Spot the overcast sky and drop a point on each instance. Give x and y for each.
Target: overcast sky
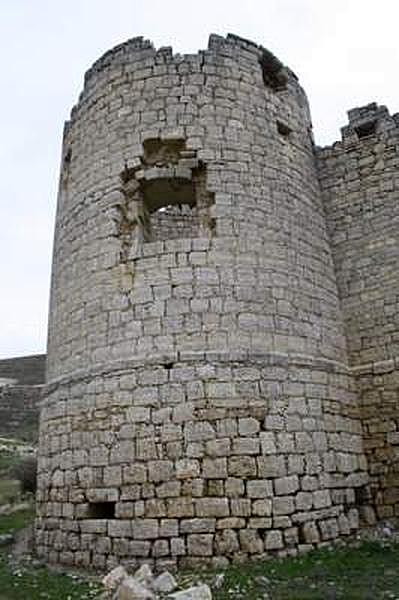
(345, 52)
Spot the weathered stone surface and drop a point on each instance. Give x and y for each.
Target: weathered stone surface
(200, 592)
(311, 533)
(216, 338)
(144, 575)
(200, 544)
(112, 580)
(251, 541)
(227, 542)
(131, 589)
(164, 583)
(274, 540)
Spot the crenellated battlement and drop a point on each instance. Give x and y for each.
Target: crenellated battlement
(141, 55)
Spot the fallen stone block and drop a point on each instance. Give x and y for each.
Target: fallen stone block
(144, 575)
(164, 583)
(200, 592)
(131, 589)
(114, 578)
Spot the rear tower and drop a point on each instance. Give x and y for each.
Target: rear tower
(360, 182)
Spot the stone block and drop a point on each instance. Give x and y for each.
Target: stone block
(112, 580)
(304, 501)
(259, 488)
(283, 505)
(181, 507)
(241, 466)
(240, 507)
(169, 489)
(187, 468)
(212, 507)
(329, 529)
(135, 473)
(245, 446)
(248, 426)
(198, 525)
(234, 487)
(177, 547)
(230, 523)
(218, 447)
(214, 468)
(155, 508)
(160, 470)
(286, 485)
(120, 528)
(271, 466)
(226, 542)
(168, 528)
(262, 508)
(321, 499)
(164, 583)
(200, 544)
(250, 541)
(310, 533)
(160, 548)
(145, 529)
(131, 588)
(201, 592)
(274, 540)
(199, 431)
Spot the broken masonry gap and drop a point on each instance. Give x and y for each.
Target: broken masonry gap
(362, 496)
(163, 194)
(101, 510)
(168, 366)
(366, 129)
(272, 72)
(283, 129)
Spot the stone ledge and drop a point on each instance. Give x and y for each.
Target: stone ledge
(272, 359)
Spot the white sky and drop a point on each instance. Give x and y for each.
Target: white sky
(345, 52)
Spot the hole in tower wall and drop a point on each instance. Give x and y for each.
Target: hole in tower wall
(283, 129)
(366, 129)
(68, 157)
(273, 73)
(168, 199)
(171, 210)
(101, 510)
(66, 163)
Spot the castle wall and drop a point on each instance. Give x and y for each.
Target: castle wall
(24, 370)
(360, 182)
(21, 383)
(198, 400)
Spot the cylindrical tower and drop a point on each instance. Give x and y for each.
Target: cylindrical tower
(197, 400)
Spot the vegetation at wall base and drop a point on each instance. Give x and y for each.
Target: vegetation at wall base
(366, 572)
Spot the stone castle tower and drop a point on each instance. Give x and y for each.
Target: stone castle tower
(221, 377)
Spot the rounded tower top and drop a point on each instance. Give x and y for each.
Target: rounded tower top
(169, 155)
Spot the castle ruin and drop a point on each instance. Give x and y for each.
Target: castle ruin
(223, 351)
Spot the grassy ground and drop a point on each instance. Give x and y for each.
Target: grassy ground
(30, 582)
(39, 583)
(369, 572)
